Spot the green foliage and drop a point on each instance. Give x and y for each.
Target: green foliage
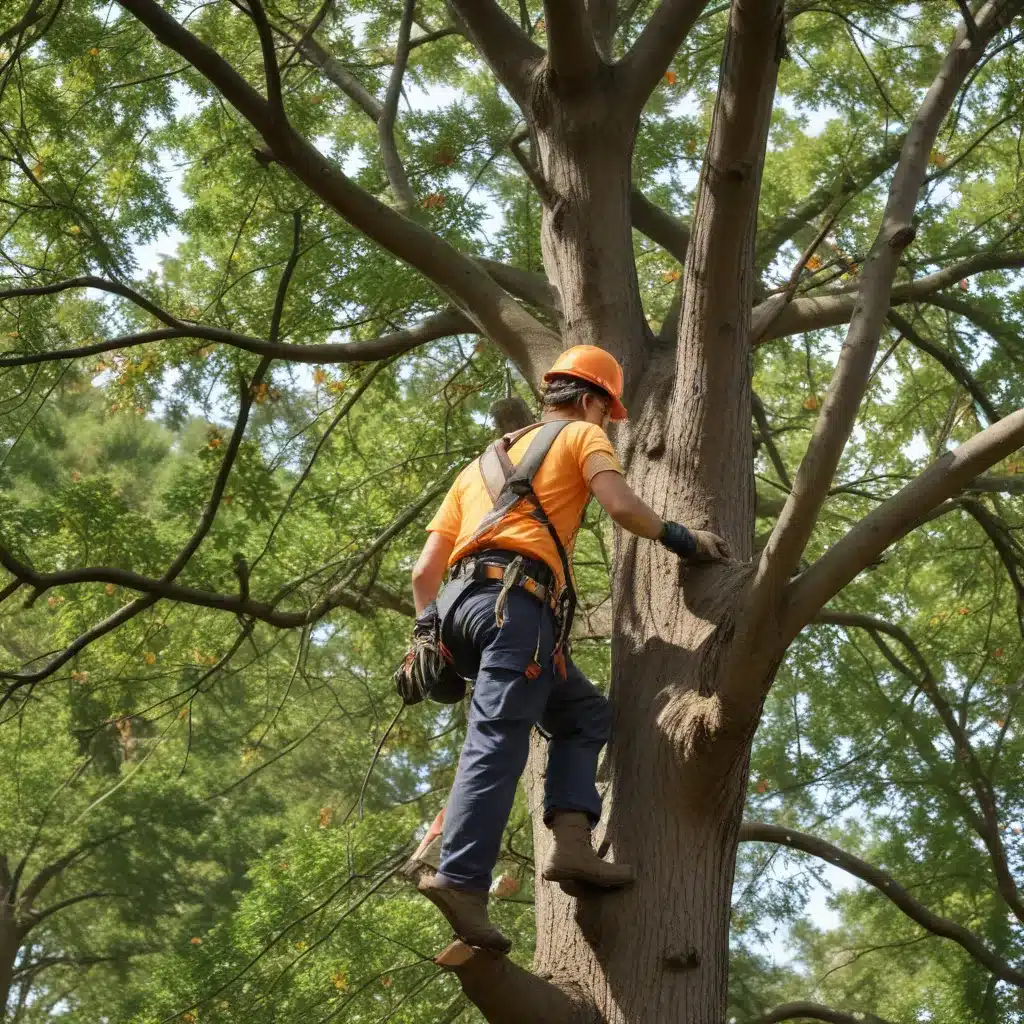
(240, 811)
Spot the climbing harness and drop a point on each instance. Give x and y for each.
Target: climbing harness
(509, 485)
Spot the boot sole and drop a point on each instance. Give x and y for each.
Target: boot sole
(497, 947)
(566, 877)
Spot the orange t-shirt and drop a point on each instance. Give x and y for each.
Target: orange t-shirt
(580, 452)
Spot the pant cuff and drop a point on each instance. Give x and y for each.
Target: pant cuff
(550, 812)
(444, 881)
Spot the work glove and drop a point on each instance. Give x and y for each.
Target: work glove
(693, 546)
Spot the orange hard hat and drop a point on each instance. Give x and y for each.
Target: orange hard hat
(593, 364)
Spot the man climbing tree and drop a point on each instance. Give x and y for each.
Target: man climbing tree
(506, 530)
(332, 228)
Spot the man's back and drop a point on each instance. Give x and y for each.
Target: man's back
(562, 484)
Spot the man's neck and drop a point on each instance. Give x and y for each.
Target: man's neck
(556, 414)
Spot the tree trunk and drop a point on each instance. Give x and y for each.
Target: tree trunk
(9, 944)
(658, 952)
(585, 152)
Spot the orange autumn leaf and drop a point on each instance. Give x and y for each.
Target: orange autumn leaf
(196, 941)
(94, 52)
(150, 658)
(386, 981)
(319, 376)
(963, 611)
(762, 786)
(326, 816)
(811, 403)
(670, 275)
(339, 981)
(938, 158)
(111, 589)
(215, 442)
(997, 653)
(814, 263)
(671, 77)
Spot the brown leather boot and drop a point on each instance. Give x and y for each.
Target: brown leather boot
(466, 911)
(572, 857)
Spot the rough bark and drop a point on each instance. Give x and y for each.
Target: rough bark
(8, 955)
(584, 151)
(659, 950)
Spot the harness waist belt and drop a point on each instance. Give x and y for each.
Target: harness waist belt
(534, 577)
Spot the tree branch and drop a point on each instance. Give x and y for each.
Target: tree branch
(849, 381)
(438, 325)
(642, 67)
(897, 516)
(506, 994)
(832, 309)
(773, 236)
(1001, 330)
(659, 225)
(271, 72)
(386, 124)
(981, 785)
(816, 1011)
(572, 55)
(32, 15)
(337, 73)
(760, 832)
(506, 48)
(521, 337)
(949, 362)
(761, 419)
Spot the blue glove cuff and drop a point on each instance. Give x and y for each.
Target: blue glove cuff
(678, 539)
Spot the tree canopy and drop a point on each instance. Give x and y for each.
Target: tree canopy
(227, 412)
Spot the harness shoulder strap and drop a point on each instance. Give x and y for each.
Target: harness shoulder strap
(495, 465)
(516, 480)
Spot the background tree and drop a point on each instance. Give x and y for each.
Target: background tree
(269, 514)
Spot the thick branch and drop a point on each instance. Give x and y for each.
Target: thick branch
(659, 226)
(641, 69)
(759, 832)
(506, 994)
(815, 1011)
(526, 341)
(849, 381)
(832, 309)
(897, 516)
(507, 49)
(572, 56)
(393, 166)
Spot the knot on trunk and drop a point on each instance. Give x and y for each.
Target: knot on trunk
(690, 721)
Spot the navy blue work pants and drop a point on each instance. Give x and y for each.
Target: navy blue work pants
(506, 704)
